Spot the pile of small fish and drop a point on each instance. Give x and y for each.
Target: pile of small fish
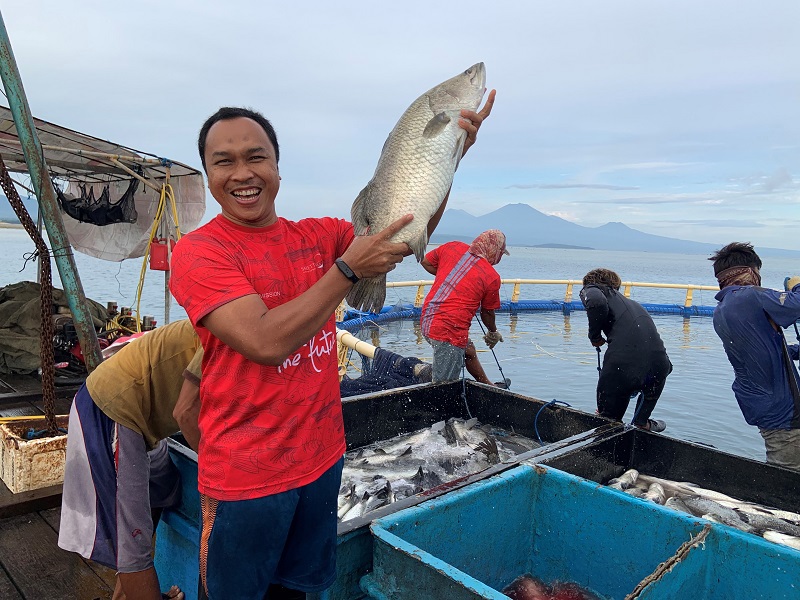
(775, 525)
(382, 473)
(528, 587)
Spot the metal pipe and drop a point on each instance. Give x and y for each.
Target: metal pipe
(348, 339)
(94, 154)
(48, 205)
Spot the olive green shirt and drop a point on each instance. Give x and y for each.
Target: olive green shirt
(138, 386)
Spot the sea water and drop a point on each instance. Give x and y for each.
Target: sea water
(546, 355)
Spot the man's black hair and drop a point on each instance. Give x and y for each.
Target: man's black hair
(735, 254)
(232, 112)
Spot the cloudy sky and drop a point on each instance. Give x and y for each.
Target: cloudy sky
(678, 118)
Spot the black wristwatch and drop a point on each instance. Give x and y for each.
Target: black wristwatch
(346, 271)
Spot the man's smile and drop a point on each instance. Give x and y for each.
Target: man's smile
(246, 195)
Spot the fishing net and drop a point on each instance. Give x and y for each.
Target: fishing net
(100, 211)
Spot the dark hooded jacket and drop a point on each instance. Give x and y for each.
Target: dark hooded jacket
(633, 340)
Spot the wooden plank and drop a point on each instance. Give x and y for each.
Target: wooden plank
(39, 568)
(29, 501)
(7, 589)
(62, 405)
(18, 408)
(52, 517)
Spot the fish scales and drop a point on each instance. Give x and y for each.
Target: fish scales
(385, 471)
(415, 172)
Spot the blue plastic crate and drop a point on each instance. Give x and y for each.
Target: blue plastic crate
(473, 542)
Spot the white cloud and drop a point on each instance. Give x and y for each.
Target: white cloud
(602, 108)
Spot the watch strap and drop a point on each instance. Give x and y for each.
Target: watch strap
(346, 270)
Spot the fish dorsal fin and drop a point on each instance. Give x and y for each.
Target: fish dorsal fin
(360, 210)
(436, 125)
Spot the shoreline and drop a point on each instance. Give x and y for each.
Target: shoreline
(4, 225)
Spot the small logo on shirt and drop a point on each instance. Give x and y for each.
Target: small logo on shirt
(136, 532)
(270, 294)
(311, 267)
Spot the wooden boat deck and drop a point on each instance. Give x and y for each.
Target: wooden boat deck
(33, 567)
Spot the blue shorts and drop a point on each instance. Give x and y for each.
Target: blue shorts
(287, 538)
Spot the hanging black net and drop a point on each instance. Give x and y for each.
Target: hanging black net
(103, 210)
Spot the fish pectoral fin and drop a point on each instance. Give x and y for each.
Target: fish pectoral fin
(360, 210)
(436, 125)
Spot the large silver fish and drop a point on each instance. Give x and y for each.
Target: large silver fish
(414, 172)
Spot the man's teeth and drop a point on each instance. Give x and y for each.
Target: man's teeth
(246, 193)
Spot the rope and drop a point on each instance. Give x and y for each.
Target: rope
(536, 418)
(167, 196)
(668, 564)
(464, 386)
(46, 358)
(502, 375)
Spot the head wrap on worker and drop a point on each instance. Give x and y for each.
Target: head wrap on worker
(739, 276)
(491, 245)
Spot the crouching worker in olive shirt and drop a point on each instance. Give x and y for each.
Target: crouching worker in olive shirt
(118, 474)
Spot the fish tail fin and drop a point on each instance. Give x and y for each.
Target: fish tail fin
(368, 294)
(420, 245)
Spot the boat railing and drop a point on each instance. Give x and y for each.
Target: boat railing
(570, 284)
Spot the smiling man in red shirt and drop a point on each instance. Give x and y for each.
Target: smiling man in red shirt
(261, 292)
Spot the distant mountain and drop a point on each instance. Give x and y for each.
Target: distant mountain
(526, 226)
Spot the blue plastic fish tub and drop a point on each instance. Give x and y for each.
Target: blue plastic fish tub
(473, 542)
(370, 418)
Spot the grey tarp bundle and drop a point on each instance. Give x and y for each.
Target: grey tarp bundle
(20, 325)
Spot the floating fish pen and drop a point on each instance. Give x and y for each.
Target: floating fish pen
(473, 542)
(355, 320)
(369, 419)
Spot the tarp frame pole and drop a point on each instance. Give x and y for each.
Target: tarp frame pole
(48, 205)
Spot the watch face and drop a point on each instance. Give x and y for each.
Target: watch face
(348, 272)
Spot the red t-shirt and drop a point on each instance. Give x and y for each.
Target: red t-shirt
(264, 430)
(463, 283)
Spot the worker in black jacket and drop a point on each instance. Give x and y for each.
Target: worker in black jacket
(635, 361)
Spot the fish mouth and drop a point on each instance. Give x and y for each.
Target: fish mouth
(477, 75)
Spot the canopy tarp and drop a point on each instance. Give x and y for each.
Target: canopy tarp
(76, 159)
